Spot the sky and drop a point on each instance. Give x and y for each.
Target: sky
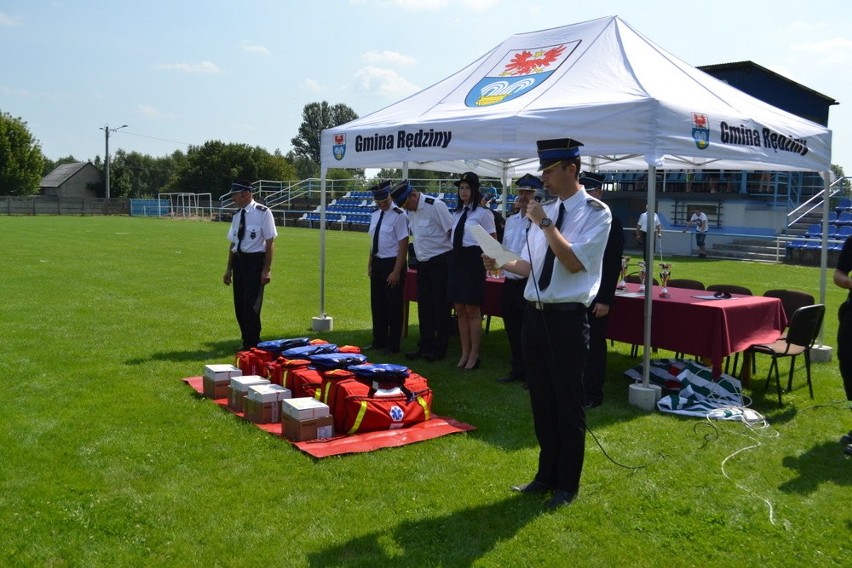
(184, 72)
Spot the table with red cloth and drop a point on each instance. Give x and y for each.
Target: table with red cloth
(490, 304)
(708, 328)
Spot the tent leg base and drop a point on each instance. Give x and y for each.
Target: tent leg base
(644, 397)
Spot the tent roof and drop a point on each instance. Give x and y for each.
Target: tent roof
(630, 102)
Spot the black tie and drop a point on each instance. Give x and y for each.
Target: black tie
(241, 232)
(550, 256)
(458, 236)
(376, 233)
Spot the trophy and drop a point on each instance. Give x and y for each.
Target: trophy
(622, 284)
(641, 276)
(665, 274)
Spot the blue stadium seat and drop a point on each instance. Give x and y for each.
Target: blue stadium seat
(844, 218)
(813, 231)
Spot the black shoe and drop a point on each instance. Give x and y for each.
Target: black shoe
(509, 379)
(846, 438)
(593, 403)
(534, 486)
(848, 449)
(390, 350)
(475, 366)
(560, 498)
(432, 357)
(525, 385)
(415, 354)
(373, 347)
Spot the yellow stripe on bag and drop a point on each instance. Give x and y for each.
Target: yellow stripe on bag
(359, 418)
(325, 393)
(422, 402)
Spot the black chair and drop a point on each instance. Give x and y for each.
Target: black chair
(687, 283)
(801, 335)
(634, 279)
(730, 289)
(792, 300)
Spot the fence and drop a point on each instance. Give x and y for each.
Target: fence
(44, 205)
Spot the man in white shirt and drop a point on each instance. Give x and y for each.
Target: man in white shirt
(250, 252)
(512, 302)
(430, 223)
(699, 219)
(563, 263)
(641, 237)
(386, 269)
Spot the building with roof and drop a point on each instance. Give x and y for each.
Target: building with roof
(79, 179)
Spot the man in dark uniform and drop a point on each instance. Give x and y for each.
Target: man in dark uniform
(512, 301)
(563, 263)
(844, 330)
(430, 223)
(386, 268)
(250, 251)
(595, 374)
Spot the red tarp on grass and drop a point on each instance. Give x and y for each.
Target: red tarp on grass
(436, 427)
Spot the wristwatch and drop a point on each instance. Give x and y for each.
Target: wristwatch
(546, 222)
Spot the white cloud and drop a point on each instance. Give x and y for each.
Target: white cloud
(831, 50)
(388, 57)
(203, 67)
(312, 85)
(385, 82)
(6, 20)
(259, 49)
(151, 112)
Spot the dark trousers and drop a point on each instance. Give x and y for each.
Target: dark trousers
(512, 306)
(386, 304)
(555, 345)
(433, 309)
(595, 374)
(248, 296)
(844, 345)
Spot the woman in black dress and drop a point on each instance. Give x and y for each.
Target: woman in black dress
(466, 281)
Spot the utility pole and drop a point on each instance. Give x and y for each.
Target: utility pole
(107, 130)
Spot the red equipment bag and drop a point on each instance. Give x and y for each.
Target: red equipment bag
(253, 361)
(358, 407)
(278, 370)
(304, 381)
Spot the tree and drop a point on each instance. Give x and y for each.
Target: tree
(316, 117)
(212, 167)
(21, 160)
(838, 172)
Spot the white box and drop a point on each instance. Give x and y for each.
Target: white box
(305, 408)
(268, 393)
(220, 373)
(242, 384)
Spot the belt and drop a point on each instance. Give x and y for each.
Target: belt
(557, 306)
(437, 257)
(519, 282)
(250, 254)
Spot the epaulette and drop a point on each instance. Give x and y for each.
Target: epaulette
(595, 204)
(430, 200)
(262, 207)
(398, 210)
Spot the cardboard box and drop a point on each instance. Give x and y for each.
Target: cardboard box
(217, 379)
(262, 412)
(268, 393)
(239, 390)
(304, 408)
(311, 429)
(221, 372)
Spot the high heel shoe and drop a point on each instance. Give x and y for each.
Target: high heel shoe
(461, 364)
(475, 365)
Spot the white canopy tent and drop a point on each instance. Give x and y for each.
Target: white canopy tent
(631, 104)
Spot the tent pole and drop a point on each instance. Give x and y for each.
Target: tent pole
(821, 351)
(650, 232)
(322, 322)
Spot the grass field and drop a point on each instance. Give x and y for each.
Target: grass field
(108, 459)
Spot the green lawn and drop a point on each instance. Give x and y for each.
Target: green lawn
(108, 459)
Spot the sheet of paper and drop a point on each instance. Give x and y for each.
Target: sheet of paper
(712, 297)
(490, 246)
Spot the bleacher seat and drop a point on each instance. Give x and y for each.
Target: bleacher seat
(844, 218)
(813, 231)
(845, 204)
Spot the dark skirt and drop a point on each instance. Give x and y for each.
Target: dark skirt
(466, 278)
